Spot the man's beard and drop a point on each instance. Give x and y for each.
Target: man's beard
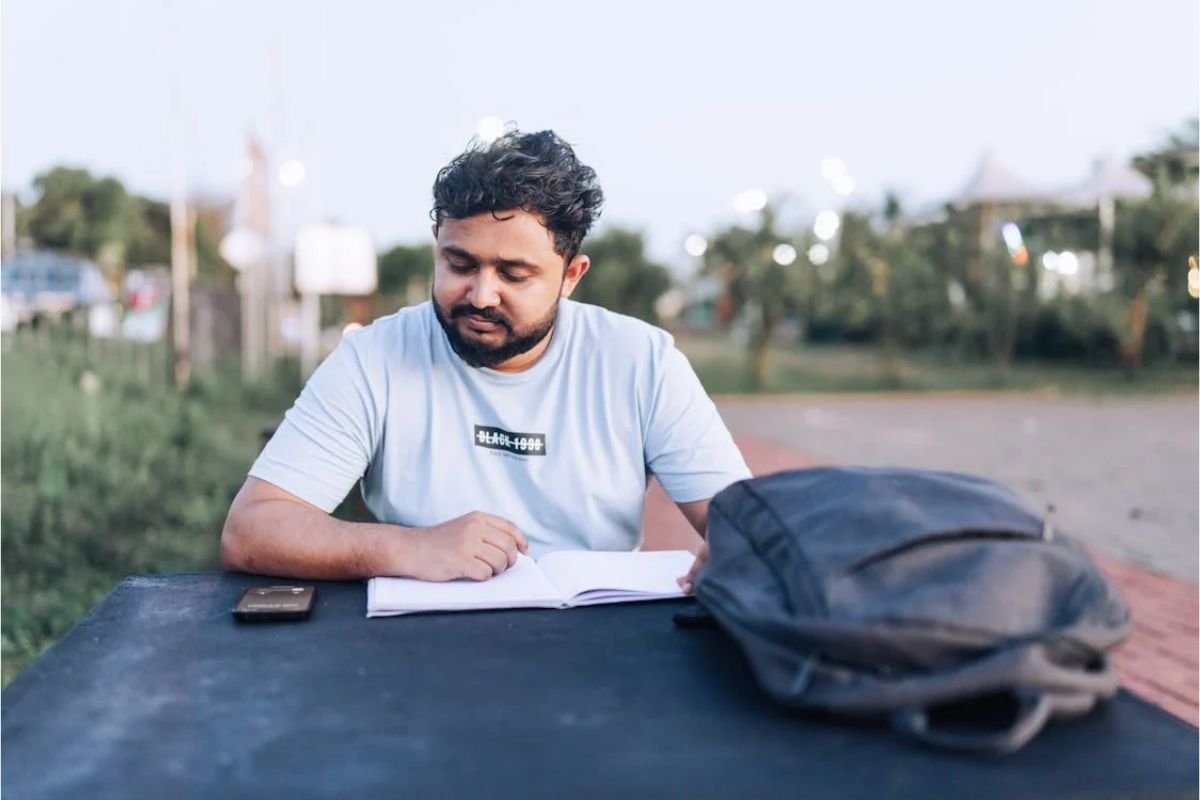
(478, 353)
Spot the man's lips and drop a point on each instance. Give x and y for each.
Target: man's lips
(481, 324)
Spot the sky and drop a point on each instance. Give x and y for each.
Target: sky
(677, 105)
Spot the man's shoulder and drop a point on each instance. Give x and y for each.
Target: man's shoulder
(619, 333)
(405, 325)
(393, 340)
(408, 318)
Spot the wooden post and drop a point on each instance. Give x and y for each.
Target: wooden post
(181, 273)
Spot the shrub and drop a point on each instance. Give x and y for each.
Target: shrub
(128, 477)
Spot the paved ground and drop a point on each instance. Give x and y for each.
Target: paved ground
(1099, 456)
(1122, 474)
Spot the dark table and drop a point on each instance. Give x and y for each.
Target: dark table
(159, 693)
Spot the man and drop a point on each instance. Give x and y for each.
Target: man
(500, 417)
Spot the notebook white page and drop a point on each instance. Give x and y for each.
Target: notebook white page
(520, 586)
(584, 577)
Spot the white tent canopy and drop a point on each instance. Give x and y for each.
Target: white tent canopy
(1111, 179)
(995, 183)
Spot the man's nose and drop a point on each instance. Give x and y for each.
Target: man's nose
(485, 290)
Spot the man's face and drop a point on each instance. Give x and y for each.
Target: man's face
(496, 287)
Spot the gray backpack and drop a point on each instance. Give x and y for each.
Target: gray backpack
(933, 598)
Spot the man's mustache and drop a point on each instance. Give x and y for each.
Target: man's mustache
(488, 314)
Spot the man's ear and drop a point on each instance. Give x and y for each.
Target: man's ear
(434, 228)
(575, 270)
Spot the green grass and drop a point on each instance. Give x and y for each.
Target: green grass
(724, 367)
(132, 476)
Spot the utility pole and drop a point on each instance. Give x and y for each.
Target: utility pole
(247, 248)
(8, 219)
(181, 276)
(1107, 212)
(181, 219)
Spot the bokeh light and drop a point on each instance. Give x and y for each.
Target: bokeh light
(749, 201)
(833, 168)
(1068, 263)
(826, 225)
(695, 245)
(489, 129)
(818, 254)
(784, 254)
(1012, 237)
(292, 173)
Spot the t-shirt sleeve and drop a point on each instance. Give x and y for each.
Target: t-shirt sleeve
(688, 447)
(328, 436)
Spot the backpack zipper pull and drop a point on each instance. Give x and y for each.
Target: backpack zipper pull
(1048, 524)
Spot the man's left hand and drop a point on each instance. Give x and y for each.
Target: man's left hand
(687, 582)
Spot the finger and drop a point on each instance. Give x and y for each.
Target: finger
(493, 556)
(685, 584)
(479, 570)
(506, 544)
(508, 529)
(685, 581)
(698, 564)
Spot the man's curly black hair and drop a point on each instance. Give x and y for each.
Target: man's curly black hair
(534, 172)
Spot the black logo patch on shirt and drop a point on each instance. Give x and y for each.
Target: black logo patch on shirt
(522, 444)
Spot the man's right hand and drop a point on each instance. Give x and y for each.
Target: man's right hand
(476, 546)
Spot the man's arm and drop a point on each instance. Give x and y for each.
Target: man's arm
(272, 532)
(697, 514)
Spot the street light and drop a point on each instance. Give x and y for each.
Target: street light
(784, 254)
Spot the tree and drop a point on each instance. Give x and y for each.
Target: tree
(77, 213)
(756, 287)
(1154, 237)
(96, 218)
(402, 266)
(212, 223)
(999, 289)
(1150, 238)
(622, 277)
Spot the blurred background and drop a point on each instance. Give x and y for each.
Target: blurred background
(819, 200)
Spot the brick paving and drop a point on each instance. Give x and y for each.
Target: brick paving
(1158, 663)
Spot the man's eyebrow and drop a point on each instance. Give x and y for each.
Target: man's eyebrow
(517, 263)
(506, 263)
(451, 250)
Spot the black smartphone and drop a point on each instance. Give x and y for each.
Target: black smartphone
(272, 603)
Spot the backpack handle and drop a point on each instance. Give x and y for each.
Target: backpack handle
(1033, 713)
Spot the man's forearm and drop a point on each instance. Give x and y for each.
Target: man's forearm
(279, 537)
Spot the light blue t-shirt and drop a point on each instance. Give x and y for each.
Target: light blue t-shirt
(562, 449)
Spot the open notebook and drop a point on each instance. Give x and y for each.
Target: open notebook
(556, 580)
